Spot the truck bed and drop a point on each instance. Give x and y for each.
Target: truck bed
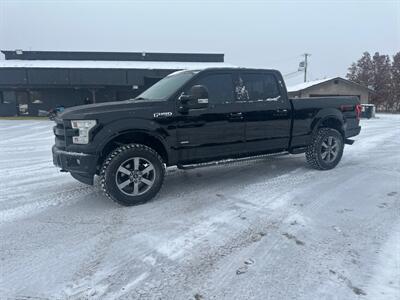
(307, 113)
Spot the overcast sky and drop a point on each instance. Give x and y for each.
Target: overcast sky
(270, 34)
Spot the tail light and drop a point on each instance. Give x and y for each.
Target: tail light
(358, 111)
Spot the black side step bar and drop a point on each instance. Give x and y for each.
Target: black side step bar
(228, 161)
(349, 141)
(298, 150)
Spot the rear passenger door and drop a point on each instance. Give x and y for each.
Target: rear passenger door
(266, 111)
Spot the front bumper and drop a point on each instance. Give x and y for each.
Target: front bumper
(82, 166)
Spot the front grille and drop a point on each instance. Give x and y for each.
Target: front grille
(63, 133)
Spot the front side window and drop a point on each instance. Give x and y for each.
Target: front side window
(166, 87)
(219, 87)
(256, 87)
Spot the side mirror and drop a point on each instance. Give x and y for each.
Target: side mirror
(198, 98)
(199, 92)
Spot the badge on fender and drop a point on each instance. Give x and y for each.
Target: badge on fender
(162, 114)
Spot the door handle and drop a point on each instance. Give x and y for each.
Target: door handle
(280, 110)
(236, 116)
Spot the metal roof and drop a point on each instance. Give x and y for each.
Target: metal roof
(102, 64)
(305, 85)
(308, 84)
(112, 56)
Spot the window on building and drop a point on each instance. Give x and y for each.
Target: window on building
(8, 97)
(23, 102)
(219, 86)
(36, 97)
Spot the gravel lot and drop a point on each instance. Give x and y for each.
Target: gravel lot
(270, 228)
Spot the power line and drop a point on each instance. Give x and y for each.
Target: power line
(284, 59)
(290, 74)
(303, 66)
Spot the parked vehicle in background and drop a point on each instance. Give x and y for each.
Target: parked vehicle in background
(194, 117)
(52, 113)
(368, 111)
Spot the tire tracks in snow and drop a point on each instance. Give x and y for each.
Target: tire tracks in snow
(89, 281)
(195, 265)
(41, 203)
(197, 270)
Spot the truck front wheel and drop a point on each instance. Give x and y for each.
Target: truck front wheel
(132, 174)
(326, 149)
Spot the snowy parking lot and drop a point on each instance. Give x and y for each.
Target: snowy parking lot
(270, 228)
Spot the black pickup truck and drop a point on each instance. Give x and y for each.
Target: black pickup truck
(195, 117)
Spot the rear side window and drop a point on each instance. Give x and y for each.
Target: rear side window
(256, 87)
(219, 86)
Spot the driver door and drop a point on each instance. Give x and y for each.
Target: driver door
(214, 132)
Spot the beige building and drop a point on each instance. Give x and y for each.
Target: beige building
(331, 87)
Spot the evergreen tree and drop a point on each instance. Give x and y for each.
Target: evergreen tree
(362, 72)
(365, 70)
(395, 86)
(382, 81)
(352, 73)
(378, 74)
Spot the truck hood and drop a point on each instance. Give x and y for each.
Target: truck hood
(119, 109)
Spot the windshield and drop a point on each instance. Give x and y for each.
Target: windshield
(167, 86)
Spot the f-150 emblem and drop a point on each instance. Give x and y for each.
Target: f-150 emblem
(162, 114)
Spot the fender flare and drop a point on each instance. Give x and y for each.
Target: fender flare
(124, 126)
(325, 115)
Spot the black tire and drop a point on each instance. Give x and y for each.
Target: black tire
(122, 157)
(316, 153)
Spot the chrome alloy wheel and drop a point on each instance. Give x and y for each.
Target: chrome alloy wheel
(135, 176)
(330, 148)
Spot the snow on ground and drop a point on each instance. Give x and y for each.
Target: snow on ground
(265, 229)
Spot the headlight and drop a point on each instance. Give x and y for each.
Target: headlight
(84, 127)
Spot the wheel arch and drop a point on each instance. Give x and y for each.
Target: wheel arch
(143, 137)
(332, 119)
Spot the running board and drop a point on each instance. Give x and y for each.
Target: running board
(298, 150)
(349, 141)
(228, 161)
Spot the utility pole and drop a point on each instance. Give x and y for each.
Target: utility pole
(306, 55)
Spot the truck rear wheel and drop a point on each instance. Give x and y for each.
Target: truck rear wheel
(132, 174)
(326, 149)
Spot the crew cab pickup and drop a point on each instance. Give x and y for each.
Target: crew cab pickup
(195, 117)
